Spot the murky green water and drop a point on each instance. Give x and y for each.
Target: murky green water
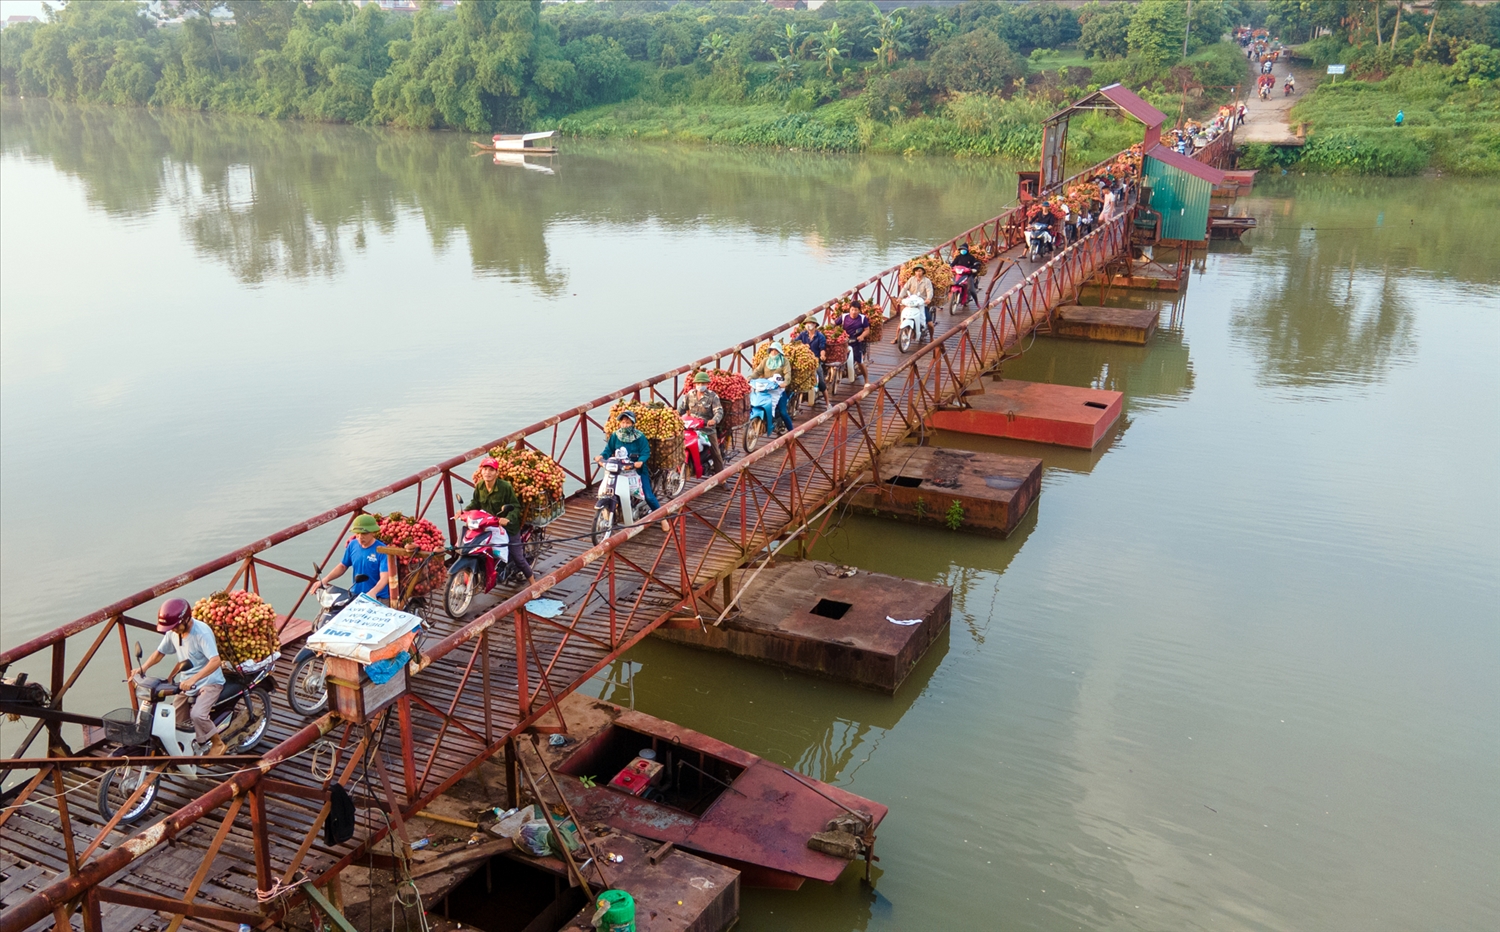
(1237, 670)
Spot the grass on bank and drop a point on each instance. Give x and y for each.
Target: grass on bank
(969, 125)
(1449, 125)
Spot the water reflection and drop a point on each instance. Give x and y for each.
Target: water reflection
(1328, 294)
(1317, 318)
(275, 199)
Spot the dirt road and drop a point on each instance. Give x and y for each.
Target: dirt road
(1266, 120)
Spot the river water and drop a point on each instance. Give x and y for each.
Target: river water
(1237, 670)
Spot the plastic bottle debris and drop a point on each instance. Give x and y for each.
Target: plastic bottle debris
(420, 843)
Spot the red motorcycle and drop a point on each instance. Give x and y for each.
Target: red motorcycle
(961, 292)
(482, 561)
(698, 443)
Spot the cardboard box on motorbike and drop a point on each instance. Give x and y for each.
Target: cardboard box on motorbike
(365, 632)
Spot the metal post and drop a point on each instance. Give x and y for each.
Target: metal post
(408, 742)
(263, 878)
(484, 679)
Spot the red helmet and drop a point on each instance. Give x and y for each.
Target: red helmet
(174, 612)
(490, 462)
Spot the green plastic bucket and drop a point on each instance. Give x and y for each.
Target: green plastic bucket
(615, 911)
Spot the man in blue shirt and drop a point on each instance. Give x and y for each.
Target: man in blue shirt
(372, 572)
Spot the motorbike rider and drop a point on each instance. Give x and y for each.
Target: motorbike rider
(363, 554)
(1291, 83)
(971, 262)
(777, 366)
(1039, 226)
(626, 437)
(921, 286)
(703, 403)
(192, 643)
(856, 325)
(811, 337)
(498, 497)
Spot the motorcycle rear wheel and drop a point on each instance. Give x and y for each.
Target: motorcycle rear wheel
(672, 482)
(258, 704)
(306, 691)
(535, 543)
(117, 786)
(458, 594)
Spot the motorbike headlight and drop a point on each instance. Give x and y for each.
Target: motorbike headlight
(326, 597)
(473, 524)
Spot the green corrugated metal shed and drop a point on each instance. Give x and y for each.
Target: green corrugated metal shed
(1181, 198)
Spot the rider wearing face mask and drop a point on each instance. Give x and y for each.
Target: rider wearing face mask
(969, 261)
(776, 366)
(626, 437)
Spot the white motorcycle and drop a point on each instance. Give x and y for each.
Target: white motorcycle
(242, 714)
(621, 500)
(915, 326)
(1038, 241)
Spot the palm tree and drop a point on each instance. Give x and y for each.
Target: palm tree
(714, 47)
(889, 32)
(793, 36)
(786, 72)
(828, 47)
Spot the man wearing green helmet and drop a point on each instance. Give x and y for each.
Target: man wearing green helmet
(372, 571)
(703, 403)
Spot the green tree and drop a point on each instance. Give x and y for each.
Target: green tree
(828, 47)
(889, 34)
(1476, 66)
(714, 47)
(1156, 32)
(1105, 30)
(975, 61)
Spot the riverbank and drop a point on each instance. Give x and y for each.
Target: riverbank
(976, 126)
(1447, 125)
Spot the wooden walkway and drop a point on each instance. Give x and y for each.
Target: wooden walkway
(502, 668)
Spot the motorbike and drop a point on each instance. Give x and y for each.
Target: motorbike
(306, 692)
(621, 501)
(1038, 241)
(482, 560)
(961, 292)
(1286, 89)
(242, 715)
(1265, 92)
(915, 326)
(764, 396)
(697, 441)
